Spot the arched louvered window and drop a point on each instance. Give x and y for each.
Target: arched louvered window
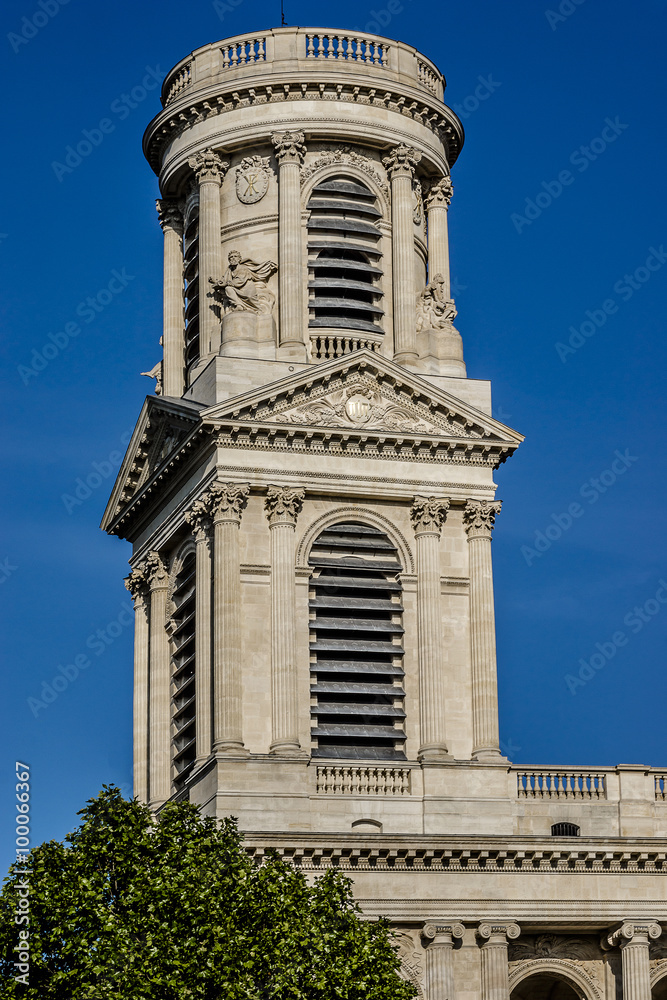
(344, 257)
(565, 830)
(183, 671)
(191, 275)
(356, 645)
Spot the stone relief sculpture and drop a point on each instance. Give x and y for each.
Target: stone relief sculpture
(252, 179)
(434, 310)
(243, 287)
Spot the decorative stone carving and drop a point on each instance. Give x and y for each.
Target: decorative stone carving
(418, 205)
(169, 214)
(208, 166)
(345, 156)
(283, 503)
(438, 192)
(555, 946)
(199, 519)
(358, 407)
(243, 287)
(479, 517)
(583, 979)
(137, 585)
(156, 373)
(290, 147)
(402, 160)
(434, 310)
(456, 930)
(628, 930)
(226, 501)
(428, 514)
(412, 961)
(485, 931)
(155, 571)
(252, 179)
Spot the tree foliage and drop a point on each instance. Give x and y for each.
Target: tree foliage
(174, 909)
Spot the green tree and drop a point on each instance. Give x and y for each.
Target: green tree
(131, 908)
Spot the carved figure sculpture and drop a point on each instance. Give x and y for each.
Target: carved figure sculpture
(434, 309)
(243, 286)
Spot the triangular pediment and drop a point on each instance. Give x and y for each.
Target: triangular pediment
(162, 427)
(363, 393)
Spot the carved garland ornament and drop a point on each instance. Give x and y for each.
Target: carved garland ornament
(555, 946)
(346, 156)
(359, 406)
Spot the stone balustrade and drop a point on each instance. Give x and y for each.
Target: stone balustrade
(363, 780)
(561, 783)
(324, 346)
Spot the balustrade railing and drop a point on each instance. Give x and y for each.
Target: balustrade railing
(661, 787)
(341, 780)
(352, 47)
(243, 52)
(324, 346)
(561, 784)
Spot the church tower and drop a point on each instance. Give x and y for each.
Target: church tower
(310, 500)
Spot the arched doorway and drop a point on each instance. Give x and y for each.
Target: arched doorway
(659, 987)
(547, 985)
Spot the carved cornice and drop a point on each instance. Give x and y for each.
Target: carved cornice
(499, 933)
(438, 193)
(226, 501)
(137, 585)
(169, 215)
(428, 515)
(283, 504)
(401, 161)
(208, 166)
(479, 517)
(289, 147)
(633, 933)
(155, 572)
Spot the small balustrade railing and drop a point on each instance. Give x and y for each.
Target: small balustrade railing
(561, 784)
(661, 787)
(341, 780)
(243, 52)
(427, 77)
(325, 346)
(354, 48)
(182, 80)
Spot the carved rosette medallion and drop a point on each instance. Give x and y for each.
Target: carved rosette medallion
(283, 504)
(428, 515)
(170, 215)
(479, 517)
(438, 193)
(401, 161)
(208, 167)
(226, 501)
(252, 179)
(289, 146)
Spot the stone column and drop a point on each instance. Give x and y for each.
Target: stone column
(159, 683)
(227, 502)
(439, 941)
(209, 170)
(283, 505)
(136, 584)
(478, 519)
(290, 151)
(633, 940)
(173, 335)
(437, 199)
(495, 976)
(200, 520)
(428, 516)
(400, 165)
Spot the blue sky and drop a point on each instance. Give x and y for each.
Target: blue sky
(558, 237)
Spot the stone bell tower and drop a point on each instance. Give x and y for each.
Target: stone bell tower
(310, 500)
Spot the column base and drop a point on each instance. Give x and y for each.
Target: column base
(230, 748)
(489, 755)
(288, 750)
(434, 754)
(407, 358)
(294, 350)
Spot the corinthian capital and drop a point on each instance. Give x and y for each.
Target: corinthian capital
(283, 503)
(199, 519)
(169, 215)
(438, 193)
(428, 515)
(137, 585)
(290, 146)
(225, 501)
(634, 933)
(208, 166)
(479, 517)
(402, 161)
(155, 571)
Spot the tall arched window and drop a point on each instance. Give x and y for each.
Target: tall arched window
(356, 645)
(183, 672)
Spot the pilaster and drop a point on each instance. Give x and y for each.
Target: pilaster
(138, 588)
(437, 200)
(400, 165)
(495, 972)
(155, 572)
(200, 520)
(290, 151)
(209, 170)
(173, 344)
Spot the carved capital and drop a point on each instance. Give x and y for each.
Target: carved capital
(401, 161)
(199, 519)
(498, 934)
(442, 934)
(226, 501)
(169, 215)
(438, 193)
(633, 933)
(155, 571)
(428, 515)
(479, 517)
(208, 166)
(283, 503)
(289, 146)
(137, 585)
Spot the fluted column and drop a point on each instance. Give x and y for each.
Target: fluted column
(439, 941)
(495, 974)
(209, 170)
(290, 151)
(428, 516)
(634, 940)
(173, 328)
(400, 166)
(159, 788)
(437, 199)
(200, 520)
(283, 505)
(136, 584)
(478, 519)
(227, 502)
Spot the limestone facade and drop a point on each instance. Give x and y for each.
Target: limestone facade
(311, 505)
